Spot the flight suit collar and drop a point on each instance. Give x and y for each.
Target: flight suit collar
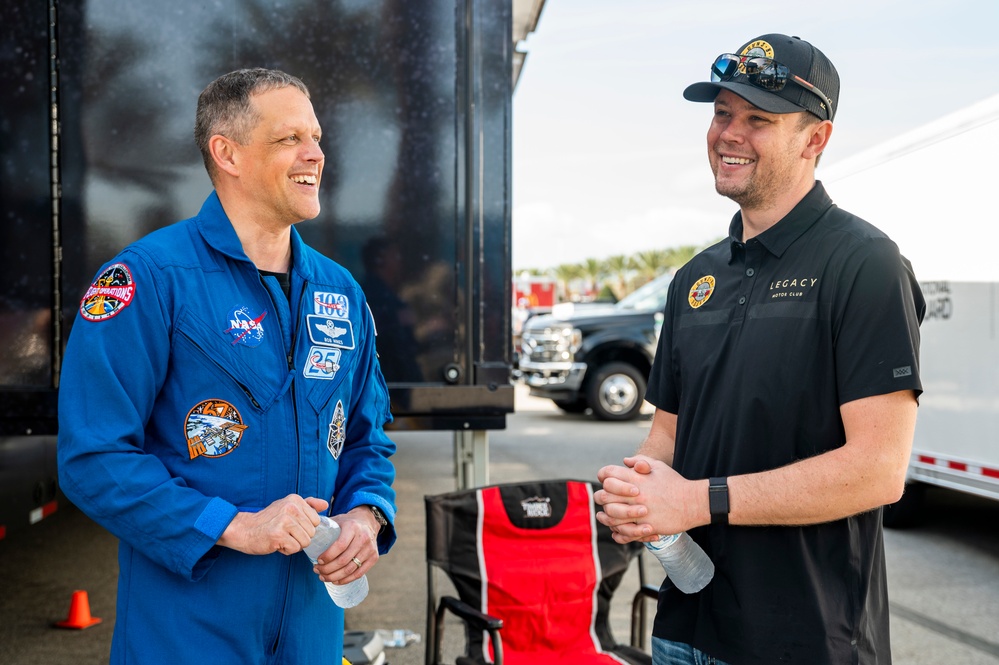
(218, 231)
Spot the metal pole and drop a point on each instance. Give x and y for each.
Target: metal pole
(471, 458)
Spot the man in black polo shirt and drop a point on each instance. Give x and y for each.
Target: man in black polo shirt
(785, 388)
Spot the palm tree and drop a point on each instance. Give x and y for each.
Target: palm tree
(677, 256)
(566, 273)
(617, 266)
(593, 271)
(652, 262)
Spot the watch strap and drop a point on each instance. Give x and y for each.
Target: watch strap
(718, 500)
(379, 516)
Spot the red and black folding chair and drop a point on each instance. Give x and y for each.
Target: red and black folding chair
(534, 572)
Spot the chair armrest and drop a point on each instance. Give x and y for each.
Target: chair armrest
(466, 612)
(649, 591)
(472, 617)
(645, 592)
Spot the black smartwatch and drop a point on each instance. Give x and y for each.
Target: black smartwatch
(379, 517)
(718, 500)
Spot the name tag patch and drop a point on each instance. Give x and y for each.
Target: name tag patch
(330, 331)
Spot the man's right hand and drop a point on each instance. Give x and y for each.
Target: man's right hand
(285, 526)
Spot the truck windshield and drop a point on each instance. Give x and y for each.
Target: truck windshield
(651, 296)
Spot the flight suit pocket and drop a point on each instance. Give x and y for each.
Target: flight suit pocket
(228, 362)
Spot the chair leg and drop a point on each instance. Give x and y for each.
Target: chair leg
(432, 647)
(438, 635)
(638, 622)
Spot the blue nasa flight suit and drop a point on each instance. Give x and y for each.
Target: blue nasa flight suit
(190, 391)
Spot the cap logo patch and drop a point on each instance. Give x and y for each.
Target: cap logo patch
(701, 291)
(338, 431)
(757, 49)
(214, 428)
(245, 328)
(109, 294)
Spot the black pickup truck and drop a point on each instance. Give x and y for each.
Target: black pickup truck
(596, 357)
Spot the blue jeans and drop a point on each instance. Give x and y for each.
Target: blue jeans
(665, 652)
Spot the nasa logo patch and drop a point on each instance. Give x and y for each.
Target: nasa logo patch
(245, 328)
(110, 293)
(214, 428)
(338, 431)
(701, 291)
(323, 363)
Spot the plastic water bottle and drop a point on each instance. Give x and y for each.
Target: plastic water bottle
(344, 595)
(686, 564)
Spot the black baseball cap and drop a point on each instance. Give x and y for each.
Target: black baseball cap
(812, 83)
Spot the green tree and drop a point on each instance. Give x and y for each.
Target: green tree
(617, 267)
(651, 263)
(677, 256)
(565, 274)
(593, 271)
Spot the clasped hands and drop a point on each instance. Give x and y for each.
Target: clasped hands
(642, 499)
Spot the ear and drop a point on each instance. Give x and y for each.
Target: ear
(224, 155)
(818, 138)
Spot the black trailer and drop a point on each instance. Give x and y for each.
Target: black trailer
(96, 149)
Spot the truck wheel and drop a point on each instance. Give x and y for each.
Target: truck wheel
(616, 392)
(907, 511)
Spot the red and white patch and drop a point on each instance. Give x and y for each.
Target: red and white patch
(110, 293)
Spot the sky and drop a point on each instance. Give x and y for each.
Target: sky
(608, 158)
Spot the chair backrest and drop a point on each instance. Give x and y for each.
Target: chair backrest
(533, 555)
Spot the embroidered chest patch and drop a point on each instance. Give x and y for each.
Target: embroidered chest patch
(214, 428)
(246, 328)
(330, 331)
(323, 363)
(338, 431)
(701, 291)
(327, 303)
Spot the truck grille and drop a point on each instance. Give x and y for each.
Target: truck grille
(548, 345)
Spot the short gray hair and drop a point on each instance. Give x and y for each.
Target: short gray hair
(224, 106)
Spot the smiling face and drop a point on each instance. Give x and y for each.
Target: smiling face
(757, 157)
(281, 165)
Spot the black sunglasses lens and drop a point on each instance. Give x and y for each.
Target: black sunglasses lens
(766, 73)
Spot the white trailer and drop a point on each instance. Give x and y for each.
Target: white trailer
(933, 191)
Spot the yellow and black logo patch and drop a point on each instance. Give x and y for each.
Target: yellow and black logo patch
(701, 291)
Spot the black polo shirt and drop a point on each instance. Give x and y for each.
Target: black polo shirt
(761, 343)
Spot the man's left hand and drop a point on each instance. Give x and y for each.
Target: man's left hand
(355, 552)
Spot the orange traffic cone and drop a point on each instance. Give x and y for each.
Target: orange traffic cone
(79, 613)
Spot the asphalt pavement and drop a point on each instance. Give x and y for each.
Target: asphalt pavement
(943, 576)
(41, 567)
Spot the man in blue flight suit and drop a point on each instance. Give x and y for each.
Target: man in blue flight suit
(220, 388)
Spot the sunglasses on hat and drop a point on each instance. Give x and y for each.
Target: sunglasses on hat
(764, 73)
